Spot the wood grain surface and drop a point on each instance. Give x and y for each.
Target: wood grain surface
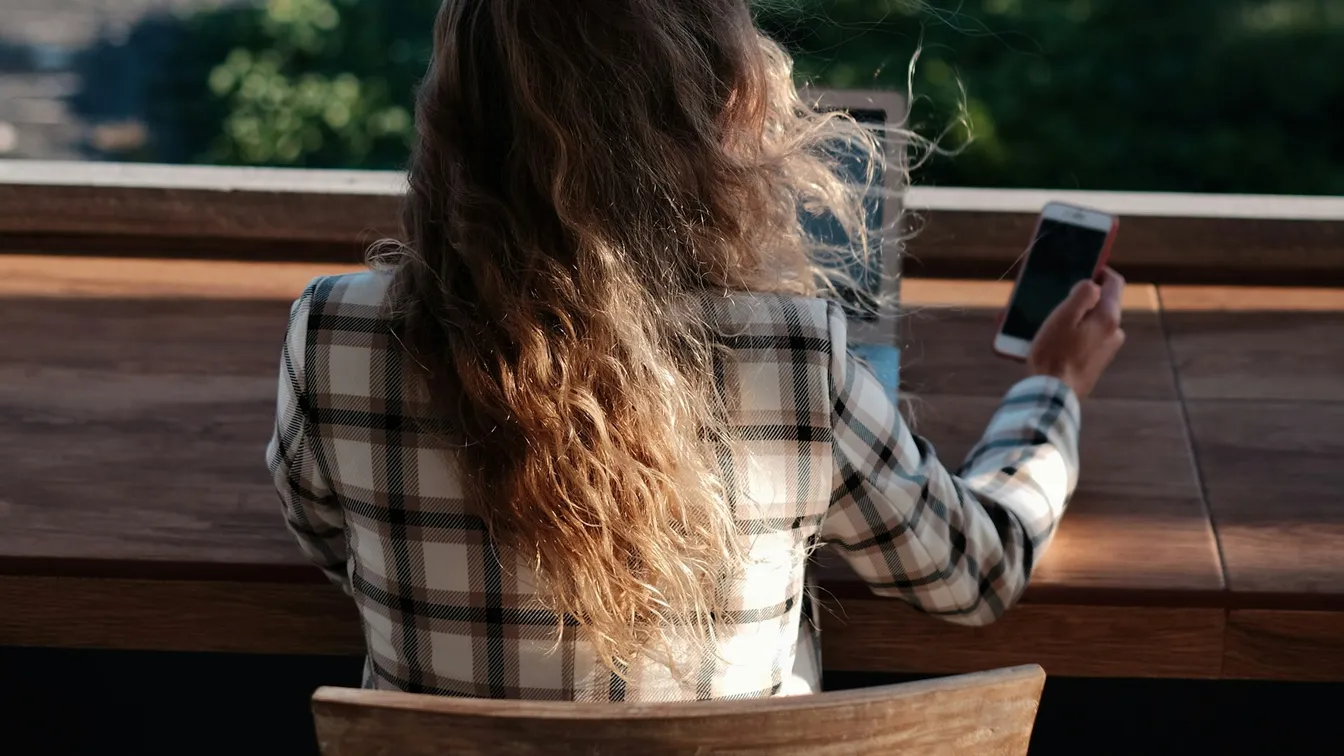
(136, 430)
(1198, 248)
(1274, 482)
(1262, 370)
(1257, 343)
(75, 277)
(984, 714)
(948, 326)
(1285, 645)
(876, 635)
(178, 615)
(136, 399)
(262, 214)
(242, 204)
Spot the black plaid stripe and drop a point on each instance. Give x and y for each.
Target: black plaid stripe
(370, 491)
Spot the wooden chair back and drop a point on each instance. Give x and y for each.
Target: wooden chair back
(983, 713)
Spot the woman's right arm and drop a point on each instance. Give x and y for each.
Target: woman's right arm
(960, 547)
(963, 546)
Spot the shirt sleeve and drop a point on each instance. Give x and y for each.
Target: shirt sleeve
(957, 546)
(310, 509)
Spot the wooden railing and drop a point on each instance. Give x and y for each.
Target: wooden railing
(299, 215)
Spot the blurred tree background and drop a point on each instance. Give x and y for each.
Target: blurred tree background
(314, 83)
(1195, 95)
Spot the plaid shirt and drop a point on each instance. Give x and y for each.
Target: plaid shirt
(374, 499)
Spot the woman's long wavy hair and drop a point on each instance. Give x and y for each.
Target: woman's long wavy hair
(585, 173)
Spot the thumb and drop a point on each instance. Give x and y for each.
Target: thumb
(1084, 297)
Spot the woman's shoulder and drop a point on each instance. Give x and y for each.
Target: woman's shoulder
(779, 327)
(344, 302)
(338, 328)
(365, 289)
(755, 311)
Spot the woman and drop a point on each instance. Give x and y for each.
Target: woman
(576, 438)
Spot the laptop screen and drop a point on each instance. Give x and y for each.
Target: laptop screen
(881, 356)
(827, 230)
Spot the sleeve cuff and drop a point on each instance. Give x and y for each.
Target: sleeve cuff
(1045, 388)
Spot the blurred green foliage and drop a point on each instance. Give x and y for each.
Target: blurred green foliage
(317, 83)
(1195, 95)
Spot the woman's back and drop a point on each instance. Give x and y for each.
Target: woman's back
(444, 612)
(373, 491)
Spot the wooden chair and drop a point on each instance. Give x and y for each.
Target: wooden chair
(983, 713)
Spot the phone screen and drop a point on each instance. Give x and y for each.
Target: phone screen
(1061, 255)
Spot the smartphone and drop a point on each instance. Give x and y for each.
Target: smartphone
(1071, 244)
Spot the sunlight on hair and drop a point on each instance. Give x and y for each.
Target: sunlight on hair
(580, 202)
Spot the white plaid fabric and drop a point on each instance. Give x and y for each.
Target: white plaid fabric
(370, 489)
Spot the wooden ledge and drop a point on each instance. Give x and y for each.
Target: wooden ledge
(331, 216)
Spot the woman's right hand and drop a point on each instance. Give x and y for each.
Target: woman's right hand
(1081, 337)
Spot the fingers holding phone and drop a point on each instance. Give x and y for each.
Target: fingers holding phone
(1071, 244)
(1081, 337)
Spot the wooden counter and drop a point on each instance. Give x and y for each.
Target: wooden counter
(1206, 539)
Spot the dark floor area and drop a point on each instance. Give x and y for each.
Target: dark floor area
(1112, 716)
(63, 702)
(72, 703)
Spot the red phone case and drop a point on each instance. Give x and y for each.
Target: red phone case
(1022, 266)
